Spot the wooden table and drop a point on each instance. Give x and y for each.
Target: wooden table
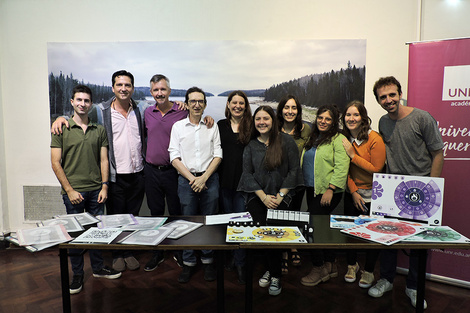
(205, 237)
(327, 238)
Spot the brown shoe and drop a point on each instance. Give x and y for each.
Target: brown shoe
(119, 265)
(317, 274)
(132, 263)
(332, 269)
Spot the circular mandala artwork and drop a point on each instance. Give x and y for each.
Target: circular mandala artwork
(275, 234)
(417, 200)
(397, 228)
(440, 234)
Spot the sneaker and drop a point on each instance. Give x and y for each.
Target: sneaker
(119, 264)
(185, 274)
(380, 288)
(317, 274)
(132, 263)
(275, 287)
(178, 257)
(265, 280)
(108, 273)
(76, 285)
(210, 274)
(367, 278)
(412, 294)
(350, 276)
(156, 260)
(332, 269)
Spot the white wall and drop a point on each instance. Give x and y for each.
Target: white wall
(26, 26)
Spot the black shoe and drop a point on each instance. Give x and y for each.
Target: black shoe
(156, 259)
(241, 274)
(178, 257)
(185, 274)
(76, 285)
(108, 273)
(230, 266)
(210, 273)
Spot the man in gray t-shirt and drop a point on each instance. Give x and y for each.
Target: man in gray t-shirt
(414, 147)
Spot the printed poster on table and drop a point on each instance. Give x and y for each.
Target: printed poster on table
(265, 234)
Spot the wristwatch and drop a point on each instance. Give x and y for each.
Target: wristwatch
(282, 194)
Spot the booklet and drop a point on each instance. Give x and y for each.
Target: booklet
(43, 235)
(144, 223)
(181, 228)
(228, 217)
(116, 220)
(148, 237)
(385, 231)
(70, 223)
(97, 235)
(84, 218)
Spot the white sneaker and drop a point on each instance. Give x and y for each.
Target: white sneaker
(380, 288)
(265, 280)
(275, 287)
(412, 294)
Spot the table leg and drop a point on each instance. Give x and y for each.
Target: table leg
(422, 258)
(64, 279)
(220, 281)
(249, 281)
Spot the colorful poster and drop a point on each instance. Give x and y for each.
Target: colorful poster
(439, 82)
(410, 197)
(385, 231)
(265, 234)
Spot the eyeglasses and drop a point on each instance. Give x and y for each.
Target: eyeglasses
(193, 102)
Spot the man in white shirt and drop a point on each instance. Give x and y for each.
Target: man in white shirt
(195, 152)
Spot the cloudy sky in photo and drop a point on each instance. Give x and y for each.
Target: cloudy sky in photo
(215, 66)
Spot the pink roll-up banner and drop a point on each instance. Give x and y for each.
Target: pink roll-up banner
(439, 82)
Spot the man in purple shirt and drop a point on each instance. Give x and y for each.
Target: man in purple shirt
(161, 178)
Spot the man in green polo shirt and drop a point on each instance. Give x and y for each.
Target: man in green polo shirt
(79, 157)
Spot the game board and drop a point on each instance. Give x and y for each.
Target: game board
(385, 231)
(439, 234)
(264, 234)
(411, 197)
(344, 221)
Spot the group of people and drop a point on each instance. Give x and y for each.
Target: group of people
(246, 162)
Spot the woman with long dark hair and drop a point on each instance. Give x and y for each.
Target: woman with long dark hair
(270, 172)
(366, 149)
(235, 133)
(289, 115)
(325, 167)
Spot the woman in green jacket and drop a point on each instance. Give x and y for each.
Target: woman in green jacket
(325, 166)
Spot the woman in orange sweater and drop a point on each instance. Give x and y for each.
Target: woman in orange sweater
(366, 149)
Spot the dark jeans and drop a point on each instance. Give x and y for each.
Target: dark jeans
(272, 257)
(89, 204)
(351, 255)
(161, 184)
(388, 266)
(198, 203)
(232, 201)
(125, 196)
(319, 256)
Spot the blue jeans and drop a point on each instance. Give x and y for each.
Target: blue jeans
(198, 203)
(89, 204)
(232, 201)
